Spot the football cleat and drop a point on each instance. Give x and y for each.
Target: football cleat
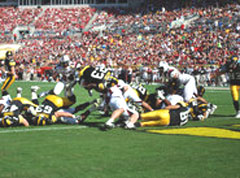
(238, 114)
(96, 103)
(35, 88)
(130, 126)
(213, 108)
(19, 90)
(81, 118)
(109, 125)
(43, 94)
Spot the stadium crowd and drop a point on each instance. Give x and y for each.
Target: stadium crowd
(137, 40)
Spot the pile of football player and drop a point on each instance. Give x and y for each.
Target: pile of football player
(174, 103)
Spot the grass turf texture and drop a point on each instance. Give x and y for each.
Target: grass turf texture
(91, 153)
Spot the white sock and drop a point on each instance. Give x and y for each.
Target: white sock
(19, 95)
(34, 96)
(111, 120)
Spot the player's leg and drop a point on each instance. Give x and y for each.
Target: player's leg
(8, 82)
(95, 105)
(133, 117)
(156, 118)
(34, 95)
(6, 97)
(55, 91)
(58, 88)
(116, 114)
(117, 105)
(19, 92)
(69, 98)
(235, 96)
(189, 90)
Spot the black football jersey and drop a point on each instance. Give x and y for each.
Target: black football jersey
(94, 75)
(233, 69)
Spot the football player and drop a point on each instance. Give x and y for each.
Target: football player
(199, 107)
(13, 115)
(188, 81)
(93, 78)
(198, 110)
(164, 117)
(65, 75)
(165, 71)
(119, 108)
(56, 109)
(155, 100)
(47, 112)
(9, 65)
(232, 67)
(211, 107)
(131, 95)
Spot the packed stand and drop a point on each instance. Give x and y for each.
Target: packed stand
(58, 20)
(143, 37)
(10, 17)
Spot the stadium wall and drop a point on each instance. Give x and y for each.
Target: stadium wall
(83, 3)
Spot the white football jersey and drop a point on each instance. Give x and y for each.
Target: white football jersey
(130, 93)
(185, 78)
(114, 91)
(117, 101)
(174, 99)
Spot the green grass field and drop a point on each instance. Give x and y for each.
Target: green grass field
(87, 152)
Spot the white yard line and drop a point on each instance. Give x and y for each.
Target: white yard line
(213, 91)
(32, 129)
(218, 88)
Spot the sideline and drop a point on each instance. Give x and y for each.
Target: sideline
(32, 129)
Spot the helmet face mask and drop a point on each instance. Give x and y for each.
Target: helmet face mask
(65, 61)
(9, 54)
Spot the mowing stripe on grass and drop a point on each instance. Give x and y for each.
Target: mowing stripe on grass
(41, 129)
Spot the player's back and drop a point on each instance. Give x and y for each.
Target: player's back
(93, 75)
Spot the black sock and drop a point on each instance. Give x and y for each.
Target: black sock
(4, 93)
(81, 107)
(137, 124)
(236, 105)
(35, 101)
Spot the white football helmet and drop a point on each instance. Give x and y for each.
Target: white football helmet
(174, 74)
(65, 60)
(163, 65)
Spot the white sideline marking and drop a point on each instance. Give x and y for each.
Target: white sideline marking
(41, 129)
